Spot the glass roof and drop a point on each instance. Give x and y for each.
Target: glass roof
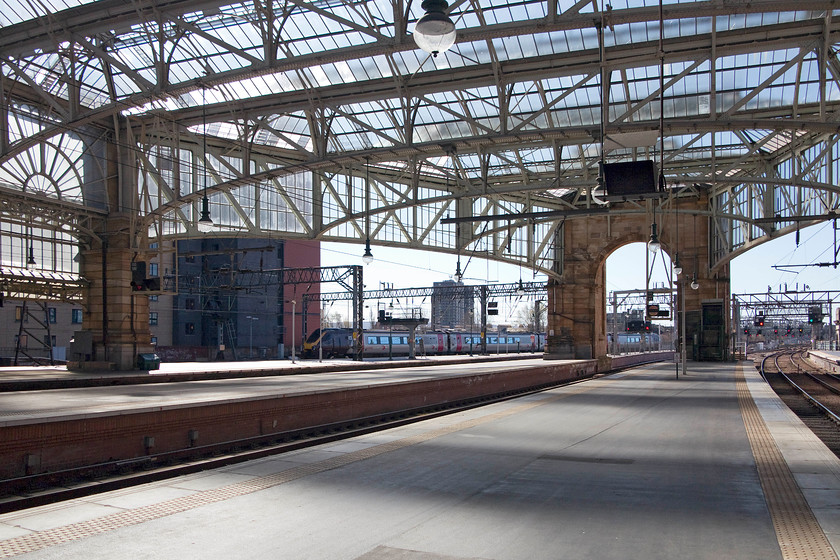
(524, 106)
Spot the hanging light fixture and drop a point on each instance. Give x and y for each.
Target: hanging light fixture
(30, 262)
(694, 283)
(459, 276)
(367, 256)
(520, 289)
(435, 31)
(677, 267)
(653, 244)
(205, 223)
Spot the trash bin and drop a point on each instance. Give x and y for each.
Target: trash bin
(148, 361)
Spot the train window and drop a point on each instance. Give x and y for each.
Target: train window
(372, 340)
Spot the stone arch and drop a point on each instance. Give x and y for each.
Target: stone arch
(577, 301)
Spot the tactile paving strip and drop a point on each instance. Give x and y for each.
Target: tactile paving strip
(75, 531)
(797, 529)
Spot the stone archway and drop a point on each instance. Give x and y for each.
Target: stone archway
(577, 326)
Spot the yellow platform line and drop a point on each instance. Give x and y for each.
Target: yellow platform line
(797, 529)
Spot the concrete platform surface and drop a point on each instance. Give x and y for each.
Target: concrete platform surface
(828, 360)
(22, 407)
(9, 374)
(633, 465)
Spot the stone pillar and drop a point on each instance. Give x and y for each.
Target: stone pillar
(713, 291)
(577, 303)
(116, 318)
(115, 326)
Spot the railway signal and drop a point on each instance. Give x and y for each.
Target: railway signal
(815, 314)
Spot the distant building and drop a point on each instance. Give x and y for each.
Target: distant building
(218, 321)
(39, 326)
(452, 308)
(190, 325)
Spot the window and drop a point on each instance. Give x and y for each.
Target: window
(76, 316)
(154, 341)
(153, 269)
(153, 318)
(18, 313)
(189, 328)
(189, 303)
(52, 313)
(153, 298)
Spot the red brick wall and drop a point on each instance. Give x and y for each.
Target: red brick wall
(85, 440)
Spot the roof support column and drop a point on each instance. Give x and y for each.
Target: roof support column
(116, 323)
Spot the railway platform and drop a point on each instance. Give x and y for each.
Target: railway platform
(28, 378)
(638, 464)
(828, 360)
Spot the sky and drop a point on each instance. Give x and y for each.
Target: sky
(751, 273)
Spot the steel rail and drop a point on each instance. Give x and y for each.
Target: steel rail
(807, 396)
(816, 379)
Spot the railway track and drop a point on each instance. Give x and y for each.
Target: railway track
(809, 392)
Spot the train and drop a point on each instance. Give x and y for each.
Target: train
(338, 342)
(632, 341)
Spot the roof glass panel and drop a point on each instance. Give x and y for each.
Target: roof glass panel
(338, 68)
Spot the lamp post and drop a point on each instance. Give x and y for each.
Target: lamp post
(294, 303)
(251, 334)
(321, 334)
(391, 332)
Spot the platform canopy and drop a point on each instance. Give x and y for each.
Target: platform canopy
(323, 120)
